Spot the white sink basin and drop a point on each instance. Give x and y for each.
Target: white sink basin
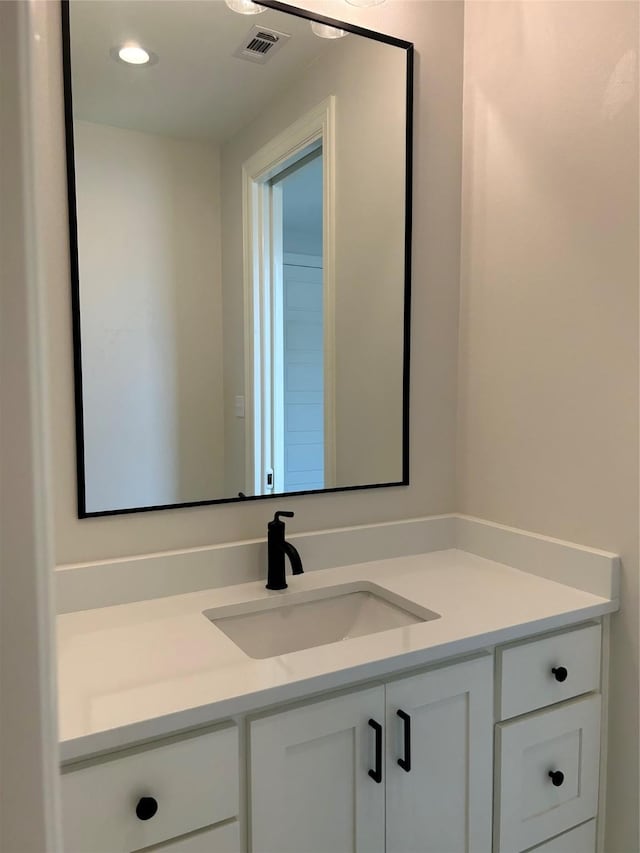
(294, 621)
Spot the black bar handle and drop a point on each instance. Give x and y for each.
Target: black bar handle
(376, 774)
(405, 762)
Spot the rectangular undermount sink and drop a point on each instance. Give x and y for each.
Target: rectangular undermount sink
(294, 621)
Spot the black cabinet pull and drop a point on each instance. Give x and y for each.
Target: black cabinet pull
(557, 777)
(146, 808)
(376, 774)
(405, 762)
(560, 673)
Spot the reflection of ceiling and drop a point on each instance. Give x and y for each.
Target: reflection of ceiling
(198, 89)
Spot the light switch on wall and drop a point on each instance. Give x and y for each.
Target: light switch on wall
(239, 407)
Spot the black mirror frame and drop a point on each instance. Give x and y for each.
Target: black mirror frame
(75, 280)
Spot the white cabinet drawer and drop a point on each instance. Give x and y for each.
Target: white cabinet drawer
(525, 670)
(529, 806)
(581, 839)
(216, 839)
(193, 780)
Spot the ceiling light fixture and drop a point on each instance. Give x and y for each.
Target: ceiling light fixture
(363, 3)
(132, 53)
(324, 31)
(245, 7)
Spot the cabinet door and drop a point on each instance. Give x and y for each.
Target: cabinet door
(547, 773)
(310, 784)
(441, 802)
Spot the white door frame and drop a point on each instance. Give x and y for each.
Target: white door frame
(317, 125)
(274, 342)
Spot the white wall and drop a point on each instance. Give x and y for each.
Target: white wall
(436, 28)
(548, 435)
(151, 305)
(368, 80)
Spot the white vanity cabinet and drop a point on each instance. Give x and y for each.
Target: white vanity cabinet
(141, 798)
(323, 778)
(447, 759)
(547, 742)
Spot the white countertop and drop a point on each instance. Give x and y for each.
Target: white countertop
(137, 671)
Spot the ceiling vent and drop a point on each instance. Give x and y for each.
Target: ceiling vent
(261, 44)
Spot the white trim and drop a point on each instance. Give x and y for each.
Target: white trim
(605, 652)
(597, 572)
(28, 698)
(317, 125)
(328, 291)
(100, 584)
(265, 324)
(85, 586)
(251, 345)
(277, 338)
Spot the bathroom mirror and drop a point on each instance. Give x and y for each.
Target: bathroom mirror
(239, 207)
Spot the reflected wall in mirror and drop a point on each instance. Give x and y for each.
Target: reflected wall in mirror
(240, 219)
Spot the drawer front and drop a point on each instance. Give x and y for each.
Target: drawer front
(525, 670)
(194, 781)
(530, 805)
(582, 839)
(216, 839)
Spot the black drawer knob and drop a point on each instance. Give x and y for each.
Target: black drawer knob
(148, 806)
(560, 673)
(557, 777)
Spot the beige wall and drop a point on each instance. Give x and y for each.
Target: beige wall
(368, 80)
(436, 28)
(548, 429)
(151, 300)
(548, 364)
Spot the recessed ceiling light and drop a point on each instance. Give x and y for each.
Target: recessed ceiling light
(133, 54)
(245, 7)
(363, 3)
(324, 31)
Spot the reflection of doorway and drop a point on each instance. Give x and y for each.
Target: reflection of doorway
(302, 434)
(288, 224)
(298, 433)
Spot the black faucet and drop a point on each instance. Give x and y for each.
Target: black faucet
(277, 547)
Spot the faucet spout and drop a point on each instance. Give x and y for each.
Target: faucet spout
(294, 558)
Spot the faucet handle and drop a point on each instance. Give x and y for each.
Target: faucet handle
(282, 514)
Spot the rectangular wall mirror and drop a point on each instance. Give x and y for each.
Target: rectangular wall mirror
(239, 206)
